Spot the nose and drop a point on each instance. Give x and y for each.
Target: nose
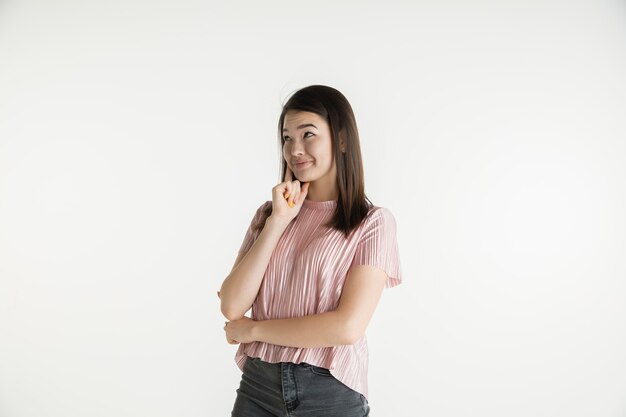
(297, 148)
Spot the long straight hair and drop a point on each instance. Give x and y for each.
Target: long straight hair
(330, 104)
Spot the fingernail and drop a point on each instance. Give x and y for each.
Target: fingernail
(291, 204)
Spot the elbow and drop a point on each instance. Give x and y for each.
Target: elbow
(229, 309)
(226, 313)
(230, 312)
(351, 338)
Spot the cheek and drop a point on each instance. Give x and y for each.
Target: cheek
(325, 151)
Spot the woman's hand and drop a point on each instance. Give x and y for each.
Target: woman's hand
(239, 331)
(287, 197)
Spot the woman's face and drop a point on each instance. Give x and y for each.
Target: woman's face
(308, 138)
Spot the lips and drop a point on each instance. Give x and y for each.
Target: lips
(303, 164)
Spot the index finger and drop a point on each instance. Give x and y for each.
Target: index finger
(288, 174)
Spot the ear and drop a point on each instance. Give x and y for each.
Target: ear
(342, 140)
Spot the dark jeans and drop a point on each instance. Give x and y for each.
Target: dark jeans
(298, 390)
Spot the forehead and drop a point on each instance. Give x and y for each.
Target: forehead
(293, 119)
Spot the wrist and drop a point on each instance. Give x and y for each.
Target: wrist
(277, 222)
(254, 331)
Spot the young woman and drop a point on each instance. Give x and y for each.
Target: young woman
(312, 265)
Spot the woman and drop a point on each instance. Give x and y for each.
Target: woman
(312, 265)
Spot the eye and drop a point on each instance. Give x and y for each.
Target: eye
(287, 138)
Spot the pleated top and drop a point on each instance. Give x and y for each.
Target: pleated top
(305, 276)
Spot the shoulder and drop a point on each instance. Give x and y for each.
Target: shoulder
(378, 220)
(261, 213)
(264, 206)
(379, 214)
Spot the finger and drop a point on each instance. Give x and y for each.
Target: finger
(304, 190)
(289, 194)
(295, 190)
(280, 190)
(296, 196)
(288, 174)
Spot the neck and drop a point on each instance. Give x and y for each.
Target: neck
(321, 194)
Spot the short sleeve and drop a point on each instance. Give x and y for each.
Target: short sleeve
(378, 246)
(251, 235)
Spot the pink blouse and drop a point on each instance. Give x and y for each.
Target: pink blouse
(305, 276)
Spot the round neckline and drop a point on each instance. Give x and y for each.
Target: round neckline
(319, 205)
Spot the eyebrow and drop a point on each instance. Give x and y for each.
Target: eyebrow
(302, 126)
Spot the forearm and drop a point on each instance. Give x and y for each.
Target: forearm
(319, 330)
(240, 288)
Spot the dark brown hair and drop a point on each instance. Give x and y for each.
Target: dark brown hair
(327, 102)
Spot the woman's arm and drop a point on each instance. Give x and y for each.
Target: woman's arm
(343, 326)
(241, 286)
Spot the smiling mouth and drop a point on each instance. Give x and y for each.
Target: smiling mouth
(303, 164)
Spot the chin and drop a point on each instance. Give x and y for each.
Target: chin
(305, 178)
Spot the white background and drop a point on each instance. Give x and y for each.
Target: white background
(137, 138)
